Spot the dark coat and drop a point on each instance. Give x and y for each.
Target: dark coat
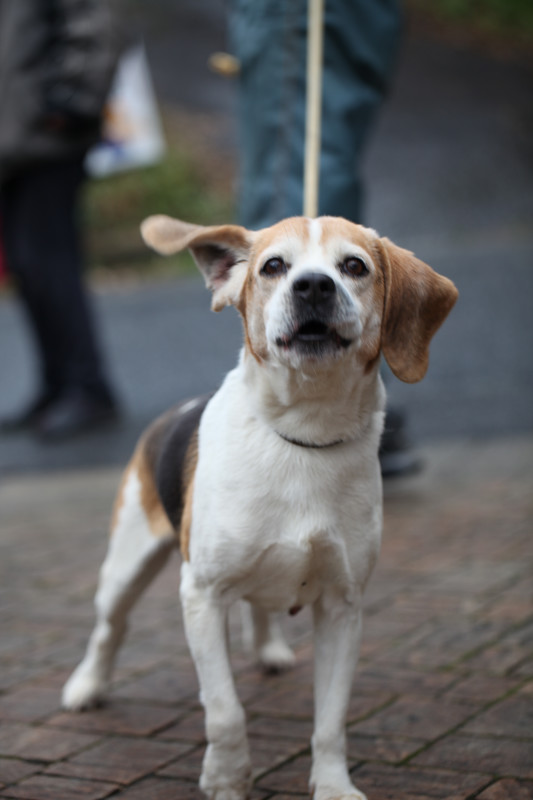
(57, 60)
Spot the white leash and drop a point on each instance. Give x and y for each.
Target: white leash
(315, 47)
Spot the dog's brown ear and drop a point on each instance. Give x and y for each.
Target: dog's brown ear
(220, 251)
(417, 301)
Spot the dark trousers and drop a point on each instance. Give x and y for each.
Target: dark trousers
(38, 210)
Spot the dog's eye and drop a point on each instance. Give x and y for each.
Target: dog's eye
(355, 267)
(274, 266)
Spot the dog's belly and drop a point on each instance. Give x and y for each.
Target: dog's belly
(283, 568)
(285, 578)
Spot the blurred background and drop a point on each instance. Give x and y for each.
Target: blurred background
(449, 175)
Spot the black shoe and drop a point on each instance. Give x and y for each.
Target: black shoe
(76, 411)
(29, 417)
(396, 456)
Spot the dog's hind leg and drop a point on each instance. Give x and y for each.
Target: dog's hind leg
(263, 635)
(141, 541)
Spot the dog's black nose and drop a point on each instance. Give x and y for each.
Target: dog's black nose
(314, 288)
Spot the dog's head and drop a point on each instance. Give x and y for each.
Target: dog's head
(315, 291)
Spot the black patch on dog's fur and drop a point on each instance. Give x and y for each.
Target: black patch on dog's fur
(166, 448)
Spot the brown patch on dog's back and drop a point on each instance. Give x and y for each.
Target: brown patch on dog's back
(119, 499)
(158, 521)
(164, 466)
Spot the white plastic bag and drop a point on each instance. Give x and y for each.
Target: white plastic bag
(132, 135)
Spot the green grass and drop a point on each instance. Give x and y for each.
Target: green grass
(115, 206)
(505, 18)
(497, 14)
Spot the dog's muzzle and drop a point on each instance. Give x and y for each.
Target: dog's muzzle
(314, 301)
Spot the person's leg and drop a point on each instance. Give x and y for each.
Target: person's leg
(269, 38)
(43, 252)
(361, 41)
(15, 235)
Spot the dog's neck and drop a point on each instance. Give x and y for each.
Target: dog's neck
(315, 408)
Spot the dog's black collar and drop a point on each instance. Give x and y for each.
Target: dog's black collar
(312, 445)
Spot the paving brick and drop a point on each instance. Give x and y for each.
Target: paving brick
(41, 743)
(479, 689)
(14, 673)
(289, 728)
(29, 704)
(13, 770)
(512, 717)
(186, 768)
(48, 787)
(508, 653)
(268, 753)
(421, 719)
(381, 782)
(443, 643)
(163, 685)
(119, 760)
(294, 701)
(298, 702)
(382, 629)
(189, 728)
(493, 756)
(119, 717)
(399, 680)
(508, 789)
(162, 789)
(292, 777)
(524, 669)
(381, 748)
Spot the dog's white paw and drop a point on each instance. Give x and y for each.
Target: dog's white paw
(82, 691)
(225, 793)
(330, 793)
(276, 656)
(216, 790)
(226, 774)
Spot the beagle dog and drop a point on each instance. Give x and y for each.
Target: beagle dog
(271, 486)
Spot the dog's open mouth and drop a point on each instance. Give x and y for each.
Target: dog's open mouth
(312, 331)
(313, 334)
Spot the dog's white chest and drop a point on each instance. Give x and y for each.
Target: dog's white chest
(275, 523)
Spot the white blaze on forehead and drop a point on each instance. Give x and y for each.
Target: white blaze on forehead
(315, 249)
(310, 254)
(328, 245)
(315, 231)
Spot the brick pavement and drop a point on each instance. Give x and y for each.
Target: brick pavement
(442, 705)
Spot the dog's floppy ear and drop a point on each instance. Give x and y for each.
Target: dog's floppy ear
(417, 301)
(220, 251)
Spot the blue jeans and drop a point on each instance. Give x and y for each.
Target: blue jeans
(361, 39)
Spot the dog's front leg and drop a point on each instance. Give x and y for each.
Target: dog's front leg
(226, 771)
(337, 623)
